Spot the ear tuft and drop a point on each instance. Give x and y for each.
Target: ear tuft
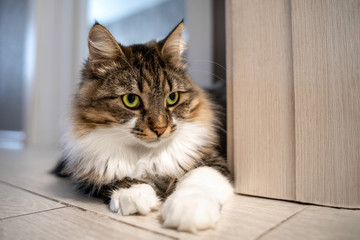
(102, 45)
(174, 45)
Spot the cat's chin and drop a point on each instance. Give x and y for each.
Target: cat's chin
(154, 143)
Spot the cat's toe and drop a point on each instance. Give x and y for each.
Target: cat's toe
(196, 211)
(139, 198)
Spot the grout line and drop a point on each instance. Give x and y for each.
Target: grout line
(87, 210)
(298, 202)
(280, 223)
(31, 213)
(130, 224)
(38, 194)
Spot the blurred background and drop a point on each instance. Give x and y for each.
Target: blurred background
(43, 44)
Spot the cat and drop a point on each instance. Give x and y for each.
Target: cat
(144, 135)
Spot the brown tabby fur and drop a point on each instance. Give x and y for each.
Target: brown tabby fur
(151, 71)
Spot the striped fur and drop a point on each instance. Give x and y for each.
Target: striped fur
(111, 146)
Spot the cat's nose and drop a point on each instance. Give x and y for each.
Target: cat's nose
(159, 130)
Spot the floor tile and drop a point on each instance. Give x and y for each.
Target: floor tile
(14, 202)
(319, 223)
(245, 217)
(70, 223)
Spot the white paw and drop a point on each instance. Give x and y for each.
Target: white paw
(190, 211)
(139, 198)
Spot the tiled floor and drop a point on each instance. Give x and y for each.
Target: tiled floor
(37, 205)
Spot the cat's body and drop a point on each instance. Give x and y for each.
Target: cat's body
(141, 128)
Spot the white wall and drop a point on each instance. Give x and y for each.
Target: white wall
(57, 30)
(200, 41)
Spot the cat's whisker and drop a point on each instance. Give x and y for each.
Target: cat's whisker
(217, 125)
(215, 63)
(218, 77)
(139, 133)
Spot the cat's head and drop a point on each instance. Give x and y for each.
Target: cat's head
(142, 88)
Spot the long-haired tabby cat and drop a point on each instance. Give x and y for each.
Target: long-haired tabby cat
(144, 135)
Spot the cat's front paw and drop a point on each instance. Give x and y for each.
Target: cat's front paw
(139, 198)
(190, 211)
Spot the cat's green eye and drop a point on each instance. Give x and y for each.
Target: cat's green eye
(172, 99)
(131, 101)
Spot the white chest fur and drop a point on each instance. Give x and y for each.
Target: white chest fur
(114, 153)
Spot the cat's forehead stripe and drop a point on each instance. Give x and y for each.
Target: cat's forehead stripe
(139, 81)
(146, 77)
(168, 81)
(154, 77)
(150, 65)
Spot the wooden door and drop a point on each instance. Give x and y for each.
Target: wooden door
(326, 43)
(294, 99)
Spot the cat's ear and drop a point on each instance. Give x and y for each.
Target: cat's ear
(173, 45)
(102, 45)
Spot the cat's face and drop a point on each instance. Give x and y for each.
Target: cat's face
(142, 88)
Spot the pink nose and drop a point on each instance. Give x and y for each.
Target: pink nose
(159, 130)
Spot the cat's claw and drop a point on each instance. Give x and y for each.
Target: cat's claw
(139, 198)
(190, 212)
